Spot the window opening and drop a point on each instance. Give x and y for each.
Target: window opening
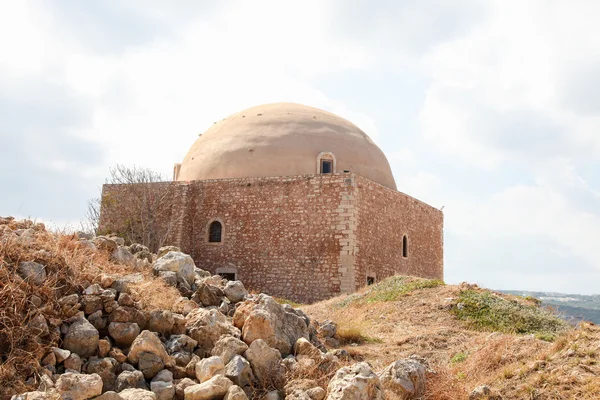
(370, 280)
(405, 246)
(230, 276)
(326, 166)
(214, 232)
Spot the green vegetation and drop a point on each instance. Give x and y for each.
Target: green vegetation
(484, 310)
(394, 288)
(459, 357)
(286, 301)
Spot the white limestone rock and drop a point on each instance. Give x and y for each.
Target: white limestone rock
(82, 338)
(79, 386)
(207, 326)
(265, 361)
(356, 382)
(180, 263)
(406, 378)
(227, 347)
(209, 367)
(214, 388)
(150, 343)
(32, 272)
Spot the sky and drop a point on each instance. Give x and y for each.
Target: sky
(490, 109)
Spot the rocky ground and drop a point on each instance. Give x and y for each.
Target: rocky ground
(88, 317)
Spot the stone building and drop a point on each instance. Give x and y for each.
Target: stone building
(293, 201)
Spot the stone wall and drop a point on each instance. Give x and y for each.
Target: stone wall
(304, 238)
(385, 216)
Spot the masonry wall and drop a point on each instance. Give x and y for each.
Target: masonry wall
(385, 216)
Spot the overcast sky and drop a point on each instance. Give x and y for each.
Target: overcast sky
(488, 108)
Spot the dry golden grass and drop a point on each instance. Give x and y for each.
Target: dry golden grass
(70, 268)
(421, 322)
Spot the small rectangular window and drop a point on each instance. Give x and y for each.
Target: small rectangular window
(326, 167)
(230, 276)
(370, 280)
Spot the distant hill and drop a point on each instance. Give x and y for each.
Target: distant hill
(572, 307)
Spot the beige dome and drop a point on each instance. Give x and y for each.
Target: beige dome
(283, 139)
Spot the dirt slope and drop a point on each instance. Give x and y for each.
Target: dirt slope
(406, 316)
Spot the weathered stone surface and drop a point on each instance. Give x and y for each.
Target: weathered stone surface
(405, 378)
(163, 390)
(267, 320)
(181, 385)
(235, 291)
(165, 375)
(273, 395)
(32, 272)
(305, 348)
(117, 354)
(105, 368)
(484, 392)
(125, 283)
(38, 325)
(227, 347)
(328, 329)
(207, 326)
(37, 395)
(356, 382)
(110, 395)
(150, 364)
(104, 243)
(60, 354)
(123, 255)
(235, 393)
(79, 386)
(148, 342)
(184, 306)
(73, 362)
(209, 367)
(165, 249)
(82, 338)
(265, 361)
(137, 394)
(239, 372)
(179, 343)
(178, 262)
(50, 359)
(169, 277)
(124, 333)
(103, 348)
(208, 295)
(161, 321)
(214, 388)
(131, 380)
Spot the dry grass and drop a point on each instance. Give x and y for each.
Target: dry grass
(69, 268)
(464, 356)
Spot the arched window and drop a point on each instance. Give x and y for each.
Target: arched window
(326, 163)
(405, 246)
(214, 232)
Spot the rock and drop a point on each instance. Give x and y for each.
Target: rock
(169, 277)
(131, 380)
(178, 262)
(235, 393)
(208, 295)
(82, 338)
(355, 382)
(79, 386)
(60, 354)
(165, 375)
(214, 388)
(110, 395)
(103, 348)
(94, 289)
(38, 325)
(163, 390)
(190, 369)
(180, 343)
(207, 326)
(406, 378)
(265, 361)
(137, 394)
(125, 283)
(123, 255)
(148, 342)
(273, 395)
(209, 367)
(235, 291)
(161, 321)
(328, 329)
(125, 299)
(105, 368)
(484, 392)
(124, 333)
(150, 364)
(164, 250)
(37, 395)
(305, 348)
(97, 320)
(267, 320)
(227, 347)
(184, 306)
(181, 385)
(73, 362)
(50, 359)
(104, 243)
(118, 355)
(239, 372)
(32, 272)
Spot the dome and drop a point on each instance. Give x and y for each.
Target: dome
(283, 139)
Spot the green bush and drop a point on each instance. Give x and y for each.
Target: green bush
(394, 288)
(484, 310)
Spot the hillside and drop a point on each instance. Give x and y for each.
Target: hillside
(514, 347)
(84, 316)
(572, 307)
